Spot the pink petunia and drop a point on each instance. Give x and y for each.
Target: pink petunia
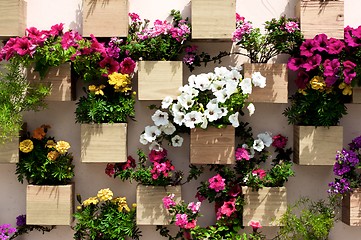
(191, 224)
(157, 155)
(168, 201)
(57, 29)
(181, 220)
(306, 48)
(255, 225)
(217, 183)
(279, 141)
(242, 154)
(260, 173)
(110, 65)
(194, 207)
(227, 209)
(312, 62)
(127, 66)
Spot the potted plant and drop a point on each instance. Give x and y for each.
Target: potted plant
(321, 17)
(217, 25)
(103, 112)
(47, 166)
(98, 18)
(246, 191)
(154, 182)
(47, 55)
(17, 95)
(324, 81)
(347, 182)
(209, 106)
(282, 36)
(105, 217)
(14, 23)
(157, 48)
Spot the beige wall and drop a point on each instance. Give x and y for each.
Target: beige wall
(309, 181)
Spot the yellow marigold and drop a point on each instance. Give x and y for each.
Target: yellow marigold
(347, 89)
(26, 146)
(98, 90)
(105, 194)
(92, 88)
(50, 144)
(62, 147)
(39, 133)
(120, 81)
(53, 155)
(318, 83)
(122, 204)
(91, 200)
(302, 91)
(134, 205)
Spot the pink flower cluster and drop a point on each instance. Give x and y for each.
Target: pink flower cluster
(163, 28)
(182, 221)
(260, 173)
(161, 165)
(291, 26)
(243, 28)
(242, 154)
(227, 209)
(217, 183)
(168, 201)
(322, 53)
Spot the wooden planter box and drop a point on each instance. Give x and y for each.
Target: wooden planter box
(276, 90)
(150, 209)
(49, 205)
(9, 151)
(159, 79)
(356, 94)
(213, 19)
(212, 146)
(351, 208)
(316, 146)
(321, 17)
(60, 80)
(105, 18)
(103, 143)
(12, 18)
(267, 205)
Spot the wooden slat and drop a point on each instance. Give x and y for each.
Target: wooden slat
(150, 209)
(212, 146)
(267, 205)
(60, 80)
(105, 18)
(49, 205)
(159, 79)
(103, 142)
(213, 19)
(12, 18)
(276, 90)
(321, 17)
(351, 208)
(316, 146)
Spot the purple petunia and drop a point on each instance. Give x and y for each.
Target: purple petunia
(355, 144)
(312, 62)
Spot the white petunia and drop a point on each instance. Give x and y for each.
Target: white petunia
(185, 100)
(151, 133)
(236, 75)
(192, 118)
(221, 96)
(251, 109)
(189, 90)
(246, 86)
(222, 73)
(167, 101)
(192, 80)
(213, 113)
(233, 118)
(204, 122)
(266, 138)
(202, 82)
(179, 118)
(224, 111)
(142, 140)
(258, 80)
(160, 118)
(177, 141)
(231, 87)
(177, 107)
(168, 129)
(212, 102)
(217, 85)
(258, 145)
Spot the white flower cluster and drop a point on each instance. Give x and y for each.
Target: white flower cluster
(188, 110)
(263, 140)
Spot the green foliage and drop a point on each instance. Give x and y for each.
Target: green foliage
(162, 47)
(106, 220)
(16, 96)
(314, 221)
(111, 107)
(40, 167)
(316, 108)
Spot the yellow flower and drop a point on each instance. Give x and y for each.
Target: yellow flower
(26, 146)
(62, 147)
(347, 89)
(122, 204)
(92, 88)
(97, 90)
(53, 155)
(120, 81)
(134, 205)
(91, 200)
(50, 144)
(105, 194)
(302, 91)
(318, 83)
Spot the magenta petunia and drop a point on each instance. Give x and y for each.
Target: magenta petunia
(320, 43)
(260, 173)
(312, 62)
(227, 209)
(109, 64)
(134, 17)
(242, 154)
(306, 48)
(97, 46)
(157, 155)
(331, 67)
(57, 29)
(181, 220)
(349, 71)
(330, 80)
(302, 79)
(255, 225)
(127, 66)
(70, 39)
(217, 183)
(335, 46)
(279, 141)
(295, 64)
(23, 46)
(168, 201)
